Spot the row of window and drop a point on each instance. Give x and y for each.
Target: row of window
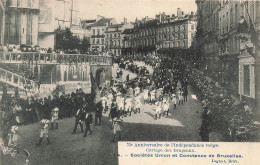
(114, 35)
(172, 29)
(173, 37)
(98, 41)
(113, 43)
(173, 44)
(98, 31)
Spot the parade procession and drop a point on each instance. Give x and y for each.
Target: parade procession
(73, 86)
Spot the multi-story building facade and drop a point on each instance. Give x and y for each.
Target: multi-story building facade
(207, 34)
(127, 42)
(2, 21)
(176, 34)
(164, 33)
(218, 23)
(248, 62)
(98, 36)
(115, 38)
(144, 36)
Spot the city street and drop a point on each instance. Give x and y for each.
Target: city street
(97, 148)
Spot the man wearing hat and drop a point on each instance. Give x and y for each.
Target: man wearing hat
(79, 119)
(88, 122)
(98, 113)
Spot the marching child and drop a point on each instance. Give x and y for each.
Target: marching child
(158, 109)
(54, 117)
(44, 131)
(104, 103)
(117, 129)
(128, 105)
(180, 96)
(165, 106)
(174, 100)
(137, 103)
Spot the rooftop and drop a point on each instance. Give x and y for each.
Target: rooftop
(128, 31)
(102, 22)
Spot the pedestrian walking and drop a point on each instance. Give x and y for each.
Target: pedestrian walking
(88, 122)
(79, 120)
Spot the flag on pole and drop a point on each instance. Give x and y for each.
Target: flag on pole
(94, 89)
(252, 31)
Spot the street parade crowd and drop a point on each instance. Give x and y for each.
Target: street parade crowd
(236, 122)
(123, 99)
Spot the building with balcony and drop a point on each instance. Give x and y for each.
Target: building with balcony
(247, 60)
(97, 31)
(178, 33)
(114, 37)
(127, 42)
(144, 36)
(207, 34)
(218, 39)
(164, 33)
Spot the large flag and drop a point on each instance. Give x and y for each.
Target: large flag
(94, 89)
(252, 31)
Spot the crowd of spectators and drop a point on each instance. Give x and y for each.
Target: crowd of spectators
(236, 122)
(31, 109)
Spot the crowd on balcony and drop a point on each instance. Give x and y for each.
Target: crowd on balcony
(36, 48)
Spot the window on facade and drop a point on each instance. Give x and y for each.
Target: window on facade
(103, 41)
(192, 27)
(246, 80)
(93, 31)
(182, 36)
(115, 35)
(98, 31)
(236, 14)
(231, 16)
(118, 42)
(93, 40)
(98, 41)
(186, 35)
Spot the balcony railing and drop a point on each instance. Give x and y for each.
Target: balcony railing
(53, 58)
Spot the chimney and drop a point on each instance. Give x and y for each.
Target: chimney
(99, 17)
(179, 12)
(125, 20)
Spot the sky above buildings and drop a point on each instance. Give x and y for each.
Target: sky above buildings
(118, 9)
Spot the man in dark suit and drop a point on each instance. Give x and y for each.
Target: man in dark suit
(88, 123)
(80, 115)
(98, 113)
